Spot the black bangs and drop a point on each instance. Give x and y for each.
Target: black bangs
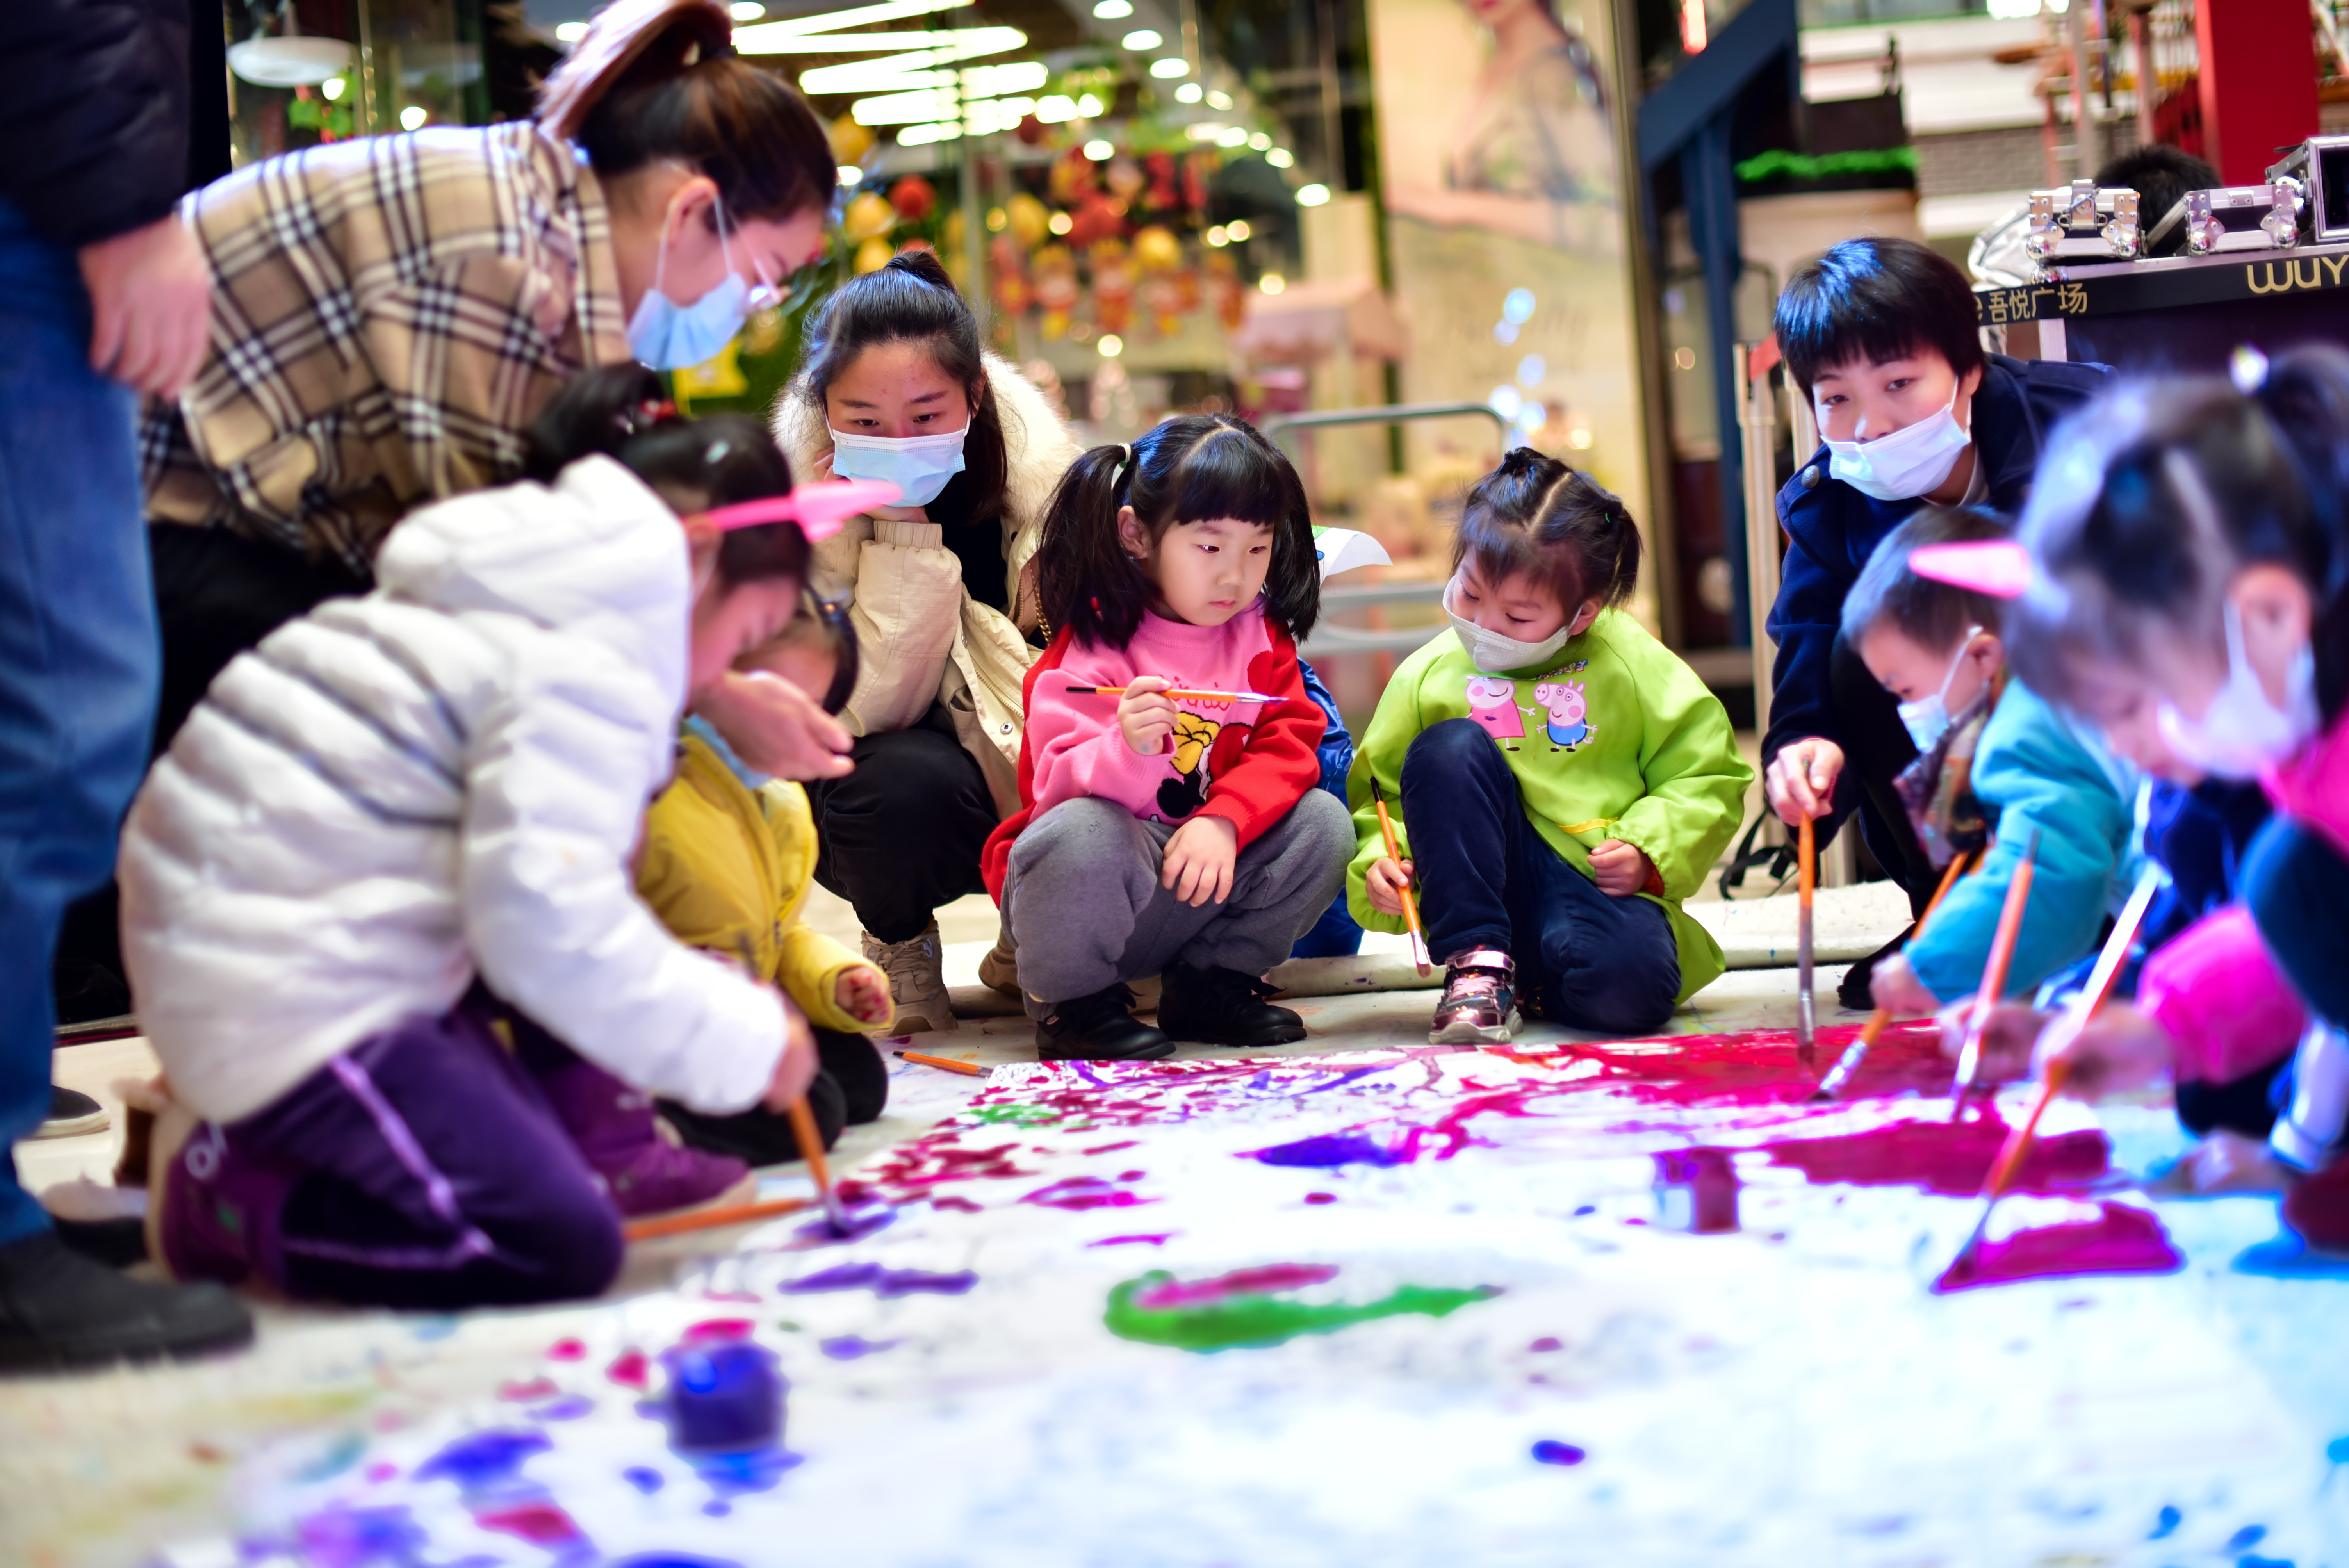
(1194, 468)
(1873, 300)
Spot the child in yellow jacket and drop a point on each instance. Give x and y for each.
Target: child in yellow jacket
(727, 861)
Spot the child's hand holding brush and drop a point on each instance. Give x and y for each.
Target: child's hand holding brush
(1384, 882)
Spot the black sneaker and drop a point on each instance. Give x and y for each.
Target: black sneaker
(1224, 1007)
(60, 1310)
(71, 1114)
(1101, 1027)
(1855, 989)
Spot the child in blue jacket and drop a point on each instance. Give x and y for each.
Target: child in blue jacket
(1879, 334)
(1992, 749)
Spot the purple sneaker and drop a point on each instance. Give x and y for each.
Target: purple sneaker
(617, 1131)
(1480, 1001)
(211, 1213)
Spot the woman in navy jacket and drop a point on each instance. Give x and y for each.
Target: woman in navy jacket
(1880, 334)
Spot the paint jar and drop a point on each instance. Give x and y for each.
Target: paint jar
(724, 1397)
(1696, 1191)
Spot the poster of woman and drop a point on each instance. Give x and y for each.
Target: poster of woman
(1500, 141)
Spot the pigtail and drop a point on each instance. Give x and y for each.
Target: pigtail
(1086, 580)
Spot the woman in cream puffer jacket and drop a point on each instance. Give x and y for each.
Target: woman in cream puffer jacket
(944, 601)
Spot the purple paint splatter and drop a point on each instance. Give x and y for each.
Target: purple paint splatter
(1082, 1192)
(1550, 1451)
(854, 1346)
(1332, 1149)
(883, 1282)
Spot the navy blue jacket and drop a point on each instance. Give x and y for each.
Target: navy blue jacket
(1832, 529)
(94, 113)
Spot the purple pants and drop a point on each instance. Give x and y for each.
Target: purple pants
(421, 1168)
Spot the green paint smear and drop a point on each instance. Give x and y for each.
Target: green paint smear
(1018, 1115)
(1248, 1321)
(1802, 166)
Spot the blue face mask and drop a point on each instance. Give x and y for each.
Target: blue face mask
(668, 335)
(919, 466)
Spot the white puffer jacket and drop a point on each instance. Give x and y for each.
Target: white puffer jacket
(442, 779)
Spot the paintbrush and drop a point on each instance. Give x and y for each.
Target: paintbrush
(1848, 1066)
(1419, 954)
(1993, 980)
(1178, 694)
(710, 1219)
(801, 1119)
(2066, 1029)
(1806, 1006)
(969, 1070)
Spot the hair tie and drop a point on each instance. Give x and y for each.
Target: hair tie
(644, 416)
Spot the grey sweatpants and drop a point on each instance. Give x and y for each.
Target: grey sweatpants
(1082, 900)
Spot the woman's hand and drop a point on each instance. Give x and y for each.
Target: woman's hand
(1619, 869)
(795, 1069)
(2120, 1049)
(778, 728)
(1896, 990)
(1145, 718)
(151, 307)
(1384, 885)
(1801, 781)
(863, 992)
(1198, 865)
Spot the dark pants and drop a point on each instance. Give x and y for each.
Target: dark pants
(77, 652)
(216, 593)
(2297, 888)
(901, 835)
(1488, 879)
(1876, 748)
(851, 1089)
(422, 1168)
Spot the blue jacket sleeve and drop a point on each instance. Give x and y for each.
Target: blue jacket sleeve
(2033, 772)
(1803, 623)
(94, 113)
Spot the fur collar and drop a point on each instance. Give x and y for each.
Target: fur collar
(1038, 448)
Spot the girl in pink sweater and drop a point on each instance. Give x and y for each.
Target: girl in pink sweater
(2190, 555)
(1170, 822)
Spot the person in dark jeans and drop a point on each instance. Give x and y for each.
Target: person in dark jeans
(102, 297)
(1879, 334)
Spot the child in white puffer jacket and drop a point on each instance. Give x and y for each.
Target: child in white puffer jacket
(377, 901)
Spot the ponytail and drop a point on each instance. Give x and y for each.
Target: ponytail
(659, 81)
(621, 412)
(1190, 469)
(1534, 517)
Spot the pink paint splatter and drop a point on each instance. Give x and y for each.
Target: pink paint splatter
(719, 1329)
(2120, 1239)
(567, 1350)
(533, 1388)
(1158, 1240)
(1240, 1282)
(959, 1205)
(1940, 1156)
(632, 1369)
(1082, 1192)
(542, 1523)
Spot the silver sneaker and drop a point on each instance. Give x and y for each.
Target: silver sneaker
(917, 981)
(1480, 1001)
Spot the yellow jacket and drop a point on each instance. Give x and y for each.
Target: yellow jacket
(727, 868)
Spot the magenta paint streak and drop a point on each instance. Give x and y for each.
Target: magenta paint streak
(1084, 1192)
(959, 1205)
(1157, 1240)
(633, 1369)
(1240, 1282)
(2120, 1239)
(1950, 1158)
(567, 1350)
(710, 1328)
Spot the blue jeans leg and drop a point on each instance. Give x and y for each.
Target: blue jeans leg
(77, 652)
(1464, 814)
(1586, 959)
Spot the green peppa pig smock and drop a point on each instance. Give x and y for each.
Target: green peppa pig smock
(1615, 737)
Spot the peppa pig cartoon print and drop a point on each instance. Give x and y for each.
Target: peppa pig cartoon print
(1569, 710)
(1492, 704)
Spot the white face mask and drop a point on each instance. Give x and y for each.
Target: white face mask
(1496, 655)
(2243, 732)
(1906, 463)
(1927, 719)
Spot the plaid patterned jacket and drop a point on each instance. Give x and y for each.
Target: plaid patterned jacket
(389, 314)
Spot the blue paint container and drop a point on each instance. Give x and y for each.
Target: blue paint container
(725, 1397)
